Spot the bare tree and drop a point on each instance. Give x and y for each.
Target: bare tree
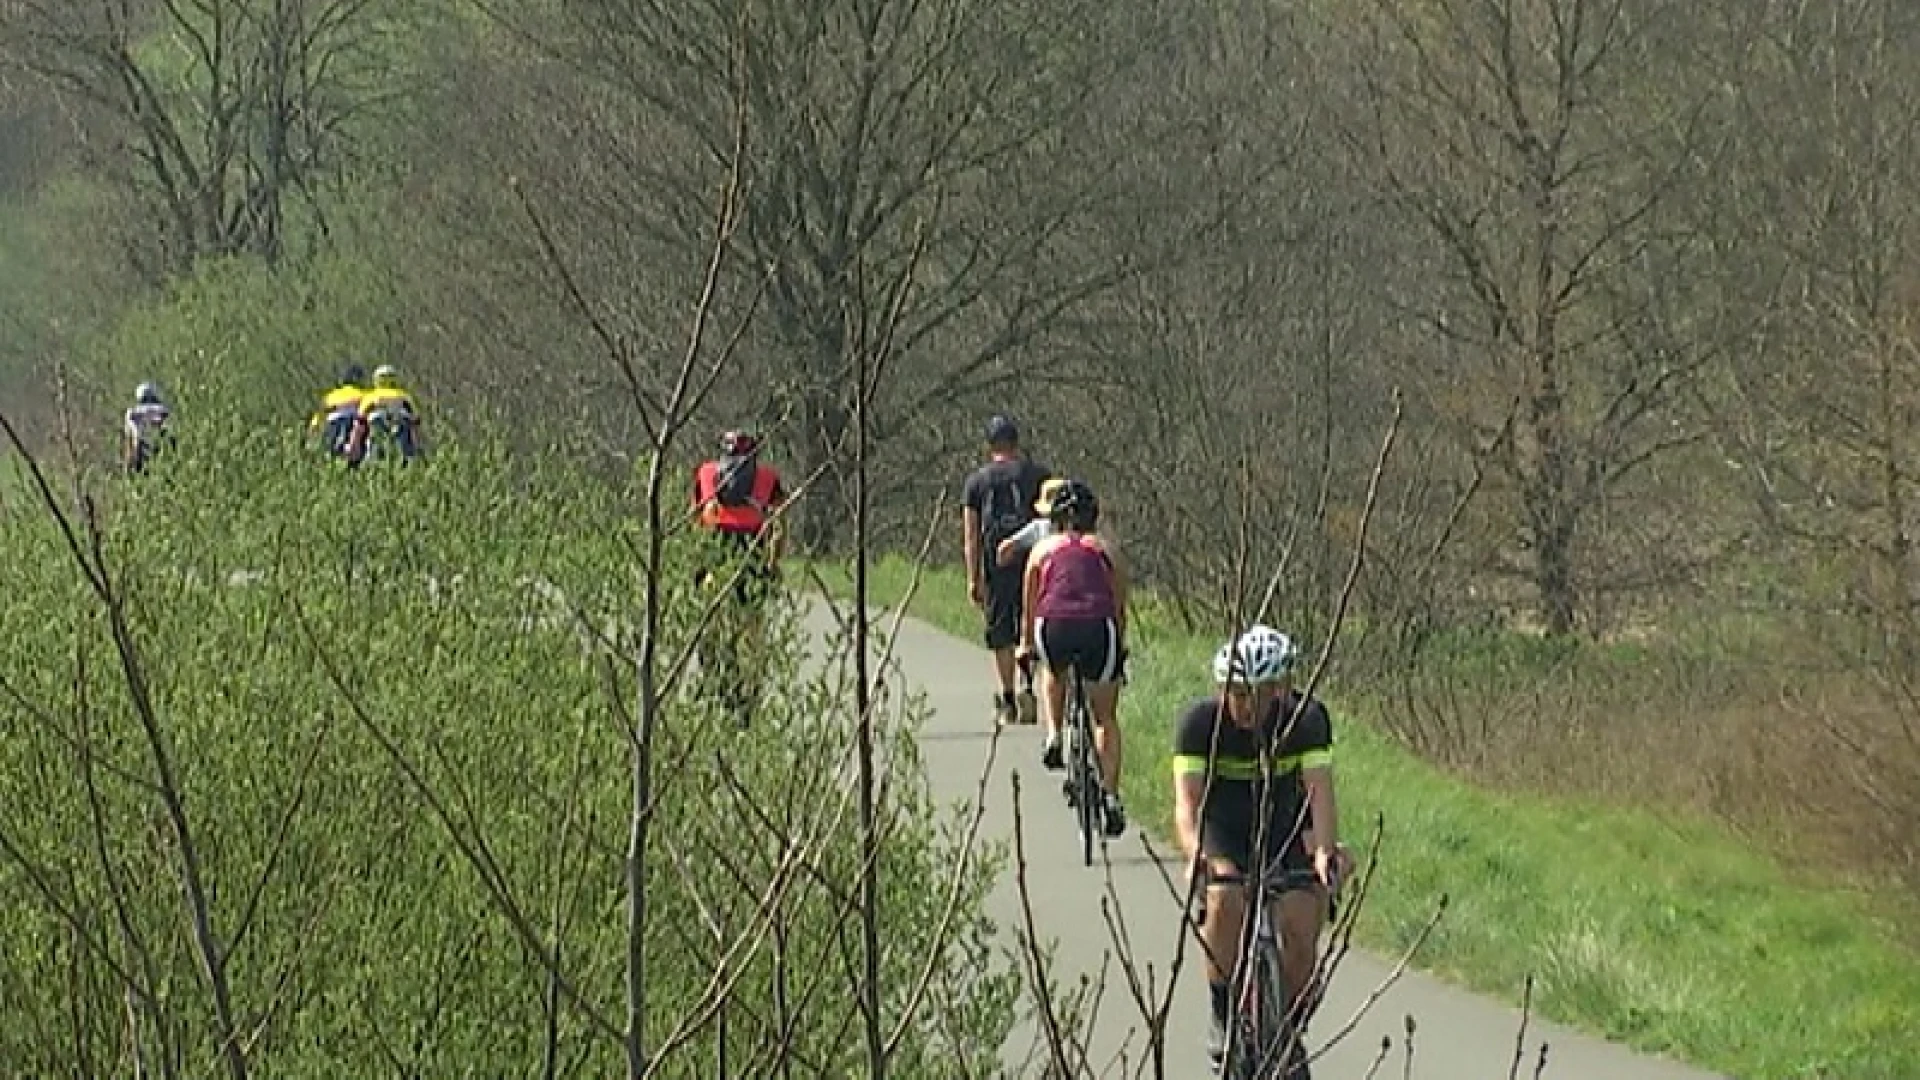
(1546, 183)
(967, 124)
(1827, 388)
(221, 115)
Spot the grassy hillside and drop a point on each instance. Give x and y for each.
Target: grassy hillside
(1638, 923)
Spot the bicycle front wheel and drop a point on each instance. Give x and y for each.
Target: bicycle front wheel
(1263, 1047)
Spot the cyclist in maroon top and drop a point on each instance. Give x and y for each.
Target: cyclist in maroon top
(1075, 618)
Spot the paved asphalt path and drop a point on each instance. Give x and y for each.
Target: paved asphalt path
(1459, 1035)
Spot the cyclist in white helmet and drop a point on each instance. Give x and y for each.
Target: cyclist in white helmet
(144, 428)
(1220, 745)
(388, 417)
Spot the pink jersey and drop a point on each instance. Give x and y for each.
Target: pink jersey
(1076, 582)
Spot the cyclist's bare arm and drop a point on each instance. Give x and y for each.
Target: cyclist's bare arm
(1007, 552)
(1189, 787)
(1120, 590)
(1021, 544)
(774, 536)
(1030, 594)
(1325, 834)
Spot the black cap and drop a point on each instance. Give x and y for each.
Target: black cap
(1002, 431)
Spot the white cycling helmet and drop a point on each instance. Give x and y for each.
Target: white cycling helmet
(146, 394)
(1261, 655)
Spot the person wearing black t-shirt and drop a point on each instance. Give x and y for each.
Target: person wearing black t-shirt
(997, 503)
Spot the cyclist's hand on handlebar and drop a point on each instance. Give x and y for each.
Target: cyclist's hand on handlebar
(1196, 892)
(1332, 867)
(1326, 867)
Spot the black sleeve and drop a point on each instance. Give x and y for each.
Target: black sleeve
(1193, 737)
(970, 491)
(1311, 733)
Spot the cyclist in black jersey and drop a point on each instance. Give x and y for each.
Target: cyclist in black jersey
(1219, 797)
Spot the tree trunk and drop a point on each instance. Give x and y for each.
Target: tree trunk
(1897, 551)
(820, 417)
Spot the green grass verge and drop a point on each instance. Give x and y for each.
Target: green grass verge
(1664, 933)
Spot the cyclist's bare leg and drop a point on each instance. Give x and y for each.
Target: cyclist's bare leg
(747, 655)
(1043, 682)
(1103, 700)
(1226, 914)
(1303, 912)
(1056, 694)
(1220, 937)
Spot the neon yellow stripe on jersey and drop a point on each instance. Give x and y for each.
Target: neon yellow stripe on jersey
(1310, 759)
(1227, 768)
(1234, 768)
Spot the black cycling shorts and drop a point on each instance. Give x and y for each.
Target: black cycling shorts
(1088, 646)
(1004, 599)
(1233, 841)
(733, 558)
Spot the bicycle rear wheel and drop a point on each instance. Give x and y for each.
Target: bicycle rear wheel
(1087, 803)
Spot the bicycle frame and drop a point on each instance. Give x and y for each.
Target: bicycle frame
(1264, 1043)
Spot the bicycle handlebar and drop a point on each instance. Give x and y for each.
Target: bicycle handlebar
(1277, 882)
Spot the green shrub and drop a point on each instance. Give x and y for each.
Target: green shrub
(361, 939)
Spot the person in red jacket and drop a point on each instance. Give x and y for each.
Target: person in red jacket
(736, 501)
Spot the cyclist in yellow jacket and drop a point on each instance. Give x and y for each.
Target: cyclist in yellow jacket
(387, 417)
(339, 409)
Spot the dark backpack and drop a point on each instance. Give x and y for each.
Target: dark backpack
(733, 478)
(1007, 507)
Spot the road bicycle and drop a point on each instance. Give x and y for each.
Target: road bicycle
(1082, 785)
(1265, 1041)
(725, 650)
(389, 433)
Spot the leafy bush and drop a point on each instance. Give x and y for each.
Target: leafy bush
(404, 766)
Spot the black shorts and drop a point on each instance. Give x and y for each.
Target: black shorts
(1004, 600)
(1088, 646)
(1233, 841)
(732, 558)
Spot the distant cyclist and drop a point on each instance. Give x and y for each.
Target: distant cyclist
(735, 498)
(386, 420)
(1220, 745)
(339, 410)
(144, 430)
(1075, 619)
(1011, 556)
